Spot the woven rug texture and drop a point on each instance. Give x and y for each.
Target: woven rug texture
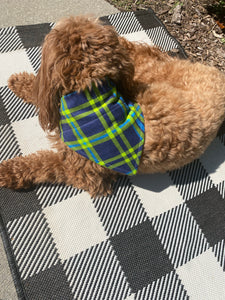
(158, 237)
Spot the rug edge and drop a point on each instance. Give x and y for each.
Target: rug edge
(12, 262)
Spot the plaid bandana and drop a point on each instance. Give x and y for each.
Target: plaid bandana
(101, 126)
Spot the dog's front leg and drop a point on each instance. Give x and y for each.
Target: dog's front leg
(54, 167)
(22, 85)
(24, 171)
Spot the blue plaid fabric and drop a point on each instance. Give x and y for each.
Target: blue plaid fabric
(101, 126)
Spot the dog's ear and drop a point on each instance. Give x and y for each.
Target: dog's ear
(61, 64)
(47, 87)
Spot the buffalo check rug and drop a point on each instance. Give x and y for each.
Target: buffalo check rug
(158, 236)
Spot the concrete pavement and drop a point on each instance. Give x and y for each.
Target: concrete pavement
(14, 12)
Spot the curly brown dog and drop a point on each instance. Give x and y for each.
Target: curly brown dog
(183, 104)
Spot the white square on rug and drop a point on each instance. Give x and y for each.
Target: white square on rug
(139, 36)
(30, 136)
(75, 225)
(13, 62)
(203, 277)
(157, 193)
(214, 161)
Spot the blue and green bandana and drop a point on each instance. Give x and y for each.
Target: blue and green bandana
(101, 126)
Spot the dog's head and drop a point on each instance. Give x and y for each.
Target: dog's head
(77, 52)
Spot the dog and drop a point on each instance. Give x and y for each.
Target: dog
(183, 104)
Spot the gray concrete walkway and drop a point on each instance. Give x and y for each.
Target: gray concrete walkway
(22, 12)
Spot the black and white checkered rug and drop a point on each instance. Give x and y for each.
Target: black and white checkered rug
(159, 237)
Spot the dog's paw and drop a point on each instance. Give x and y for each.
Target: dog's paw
(16, 82)
(105, 189)
(11, 178)
(5, 179)
(22, 85)
(96, 194)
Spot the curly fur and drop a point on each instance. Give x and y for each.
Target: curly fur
(183, 103)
